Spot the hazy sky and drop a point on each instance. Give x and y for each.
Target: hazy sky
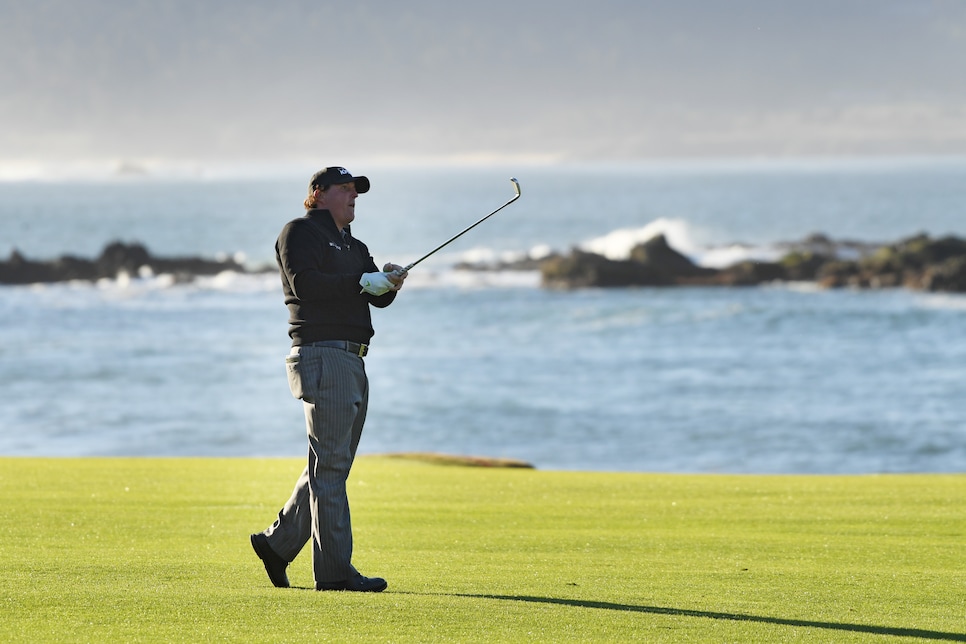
(215, 81)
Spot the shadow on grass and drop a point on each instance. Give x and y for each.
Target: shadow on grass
(737, 617)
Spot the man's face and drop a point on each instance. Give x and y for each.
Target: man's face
(340, 200)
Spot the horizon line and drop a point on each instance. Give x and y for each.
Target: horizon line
(131, 170)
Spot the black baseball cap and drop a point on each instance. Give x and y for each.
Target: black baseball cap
(334, 176)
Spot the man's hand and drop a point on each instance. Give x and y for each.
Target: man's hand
(396, 274)
(376, 284)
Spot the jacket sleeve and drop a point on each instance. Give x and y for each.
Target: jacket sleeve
(381, 301)
(378, 301)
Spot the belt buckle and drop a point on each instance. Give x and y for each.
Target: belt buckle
(363, 350)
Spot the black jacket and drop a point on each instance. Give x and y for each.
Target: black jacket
(320, 279)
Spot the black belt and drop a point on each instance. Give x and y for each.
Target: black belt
(352, 347)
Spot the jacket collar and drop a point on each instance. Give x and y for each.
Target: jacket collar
(324, 217)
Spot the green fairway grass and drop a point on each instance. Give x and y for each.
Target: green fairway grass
(141, 550)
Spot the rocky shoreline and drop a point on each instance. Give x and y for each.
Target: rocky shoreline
(919, 262)
(117, 258)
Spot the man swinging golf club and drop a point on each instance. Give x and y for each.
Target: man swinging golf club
(329, 281)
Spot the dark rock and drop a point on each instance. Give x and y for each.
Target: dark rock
(68, 267)
(913, 254)
(918, 262)
(581, 269)
(653, 263)
(658, 254)
(116, 258)
(20, 270)
(948, 276)
(836, 273)
(750, 273)
(803, 265)
(522, 264)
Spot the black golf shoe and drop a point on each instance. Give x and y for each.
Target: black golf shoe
(274, 565)
(358, 584)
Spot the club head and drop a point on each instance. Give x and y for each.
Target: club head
(516, 186)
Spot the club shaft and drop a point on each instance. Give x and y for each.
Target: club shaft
(449, 241)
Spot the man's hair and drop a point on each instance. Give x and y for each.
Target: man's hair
(311, 201)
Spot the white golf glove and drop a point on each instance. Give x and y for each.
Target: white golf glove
(375, 283)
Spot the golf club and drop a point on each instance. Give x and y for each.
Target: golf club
(516, 188)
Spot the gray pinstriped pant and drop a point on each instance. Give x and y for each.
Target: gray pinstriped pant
(334, 388)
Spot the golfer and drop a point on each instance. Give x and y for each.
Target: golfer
(329, 281)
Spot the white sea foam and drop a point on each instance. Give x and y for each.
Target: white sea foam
(471, 279)
(145, 282)
(619, 243)
(682, 237)
(540, 251)
(723, 256)
(943, 301)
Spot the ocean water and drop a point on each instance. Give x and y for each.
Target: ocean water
(782, 378)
